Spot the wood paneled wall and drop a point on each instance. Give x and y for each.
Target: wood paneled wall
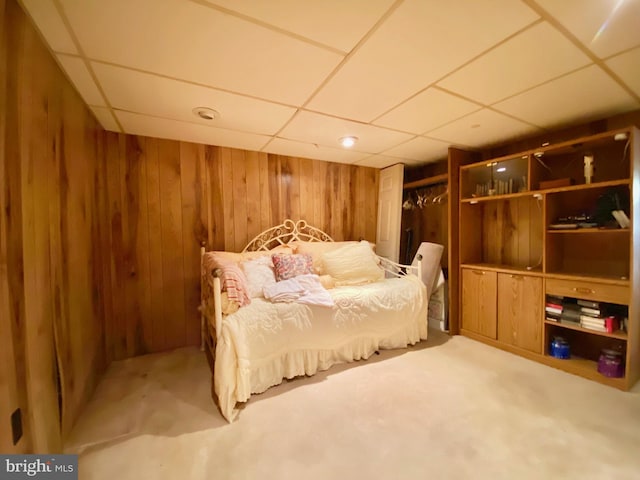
(165, 198)
(51, 341)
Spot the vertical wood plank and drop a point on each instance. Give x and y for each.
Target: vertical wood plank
(290, 187)
(215, 198)
(104, 247)
(116, 326)
(307, 204)
(156, 267)
(139, 334)
(275, 191)
(359, 220)
(348, 201)
(227, 204)
(12, 379)
(239, 195)
(12, 40)
(172, 244)
(372, 178)
(252, 176)
(320, 219)
(193, 233)
(266, 220)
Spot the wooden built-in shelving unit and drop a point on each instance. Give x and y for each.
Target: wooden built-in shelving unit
(511, 259)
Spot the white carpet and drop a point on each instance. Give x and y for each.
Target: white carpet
(448, 408)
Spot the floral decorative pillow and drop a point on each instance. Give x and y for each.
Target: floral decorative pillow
(289, 266)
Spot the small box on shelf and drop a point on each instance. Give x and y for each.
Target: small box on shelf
(560, 182)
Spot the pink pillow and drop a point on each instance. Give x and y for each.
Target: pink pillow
(289, 266)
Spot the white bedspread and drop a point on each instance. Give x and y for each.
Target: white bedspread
(264, 342)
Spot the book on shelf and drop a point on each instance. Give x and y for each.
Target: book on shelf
(596, 312)
(588, 304)
(606, 324)
(555, 298)
(571, 314)
(552, 319)
(566, 321)
(557, 311)
(596, 328)
(592, 320)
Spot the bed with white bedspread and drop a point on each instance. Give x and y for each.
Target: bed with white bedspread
(255, 342)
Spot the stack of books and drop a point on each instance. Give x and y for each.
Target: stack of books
(562, 310)
(553, 308)
(570, 312)
(594, 317)
(584, 313)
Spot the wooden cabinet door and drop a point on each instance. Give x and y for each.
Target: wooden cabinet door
(520, 311)
(479, 302)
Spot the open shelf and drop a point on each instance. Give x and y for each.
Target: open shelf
(588, 186)
(599, 230)
(585, 368)
(618, 335)
(530, 193)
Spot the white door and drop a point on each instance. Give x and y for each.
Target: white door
(389, 212)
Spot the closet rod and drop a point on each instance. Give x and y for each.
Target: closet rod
(427, 181)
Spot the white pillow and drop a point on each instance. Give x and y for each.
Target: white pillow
(317, 249)
(353, 264)
(259, 273)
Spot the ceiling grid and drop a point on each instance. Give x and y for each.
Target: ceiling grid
(409, 78)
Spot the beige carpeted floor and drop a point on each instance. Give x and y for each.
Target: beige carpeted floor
(448, 408)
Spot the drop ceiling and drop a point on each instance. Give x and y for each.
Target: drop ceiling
(409, 78)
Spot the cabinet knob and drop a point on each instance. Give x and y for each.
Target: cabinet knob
(516, 277)
(583, 290)
(478, 272)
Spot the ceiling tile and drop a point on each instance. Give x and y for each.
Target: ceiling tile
(536, 55)
(162, 97)
(627, 67)
(189, 41)
(103, 114)
(426, 111)
(292, 148)
(482, 128)
(190, 132)
(421, 149)
(605, 27)
(48, 20)
(82, 79)
(379, 161)
(579, 97)
(335, 23)
(406, 53)
(323, 130)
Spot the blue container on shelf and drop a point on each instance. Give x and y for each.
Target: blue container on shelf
(559, 348)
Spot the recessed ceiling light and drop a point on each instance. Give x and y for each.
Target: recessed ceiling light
(206, 113)
(501, 169)
(348, 142)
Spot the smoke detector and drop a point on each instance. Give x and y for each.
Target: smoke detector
(206, 113)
